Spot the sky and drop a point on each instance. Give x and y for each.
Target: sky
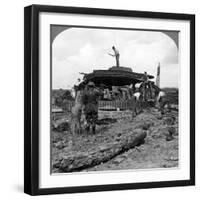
(85, 49)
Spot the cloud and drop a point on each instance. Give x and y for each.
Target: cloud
(84, 49)
(171, 56)
(169, 75)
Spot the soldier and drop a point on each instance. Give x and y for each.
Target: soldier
(116, 55)
(147, 86)
(90, 102)
(137, 96)
(163, 102)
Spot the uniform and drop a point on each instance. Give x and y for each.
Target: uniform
(137, 95)
(116, 55)
(138, 107)
(147, 86)
(163, 101)
(90, 102)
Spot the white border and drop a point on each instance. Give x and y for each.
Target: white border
(46, 180)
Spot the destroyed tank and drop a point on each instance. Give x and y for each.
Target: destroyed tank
(118, 76)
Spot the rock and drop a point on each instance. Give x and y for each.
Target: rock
(165, 165)
(117, 160)
(169, 120)
(119, 134)
(117, 139)
(66, 163)
(156, 146)
(171, 130)
(138, 149)
(60, 126)
(145, 126)
(168, 164)
(171, 158)
(169, 138)
(104, 147)
(56, 164)
(176, 131)
(157, 136)
(159, 117)
(59, 145)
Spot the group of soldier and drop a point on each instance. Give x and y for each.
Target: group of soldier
(90, 96)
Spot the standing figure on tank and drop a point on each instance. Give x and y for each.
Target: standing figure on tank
(116, 55)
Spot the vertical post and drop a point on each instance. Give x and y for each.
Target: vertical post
(158, 76)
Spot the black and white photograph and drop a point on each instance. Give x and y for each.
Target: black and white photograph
(109, 98)
(99, 100)
(114, 99)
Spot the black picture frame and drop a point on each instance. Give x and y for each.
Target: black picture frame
(31, 98)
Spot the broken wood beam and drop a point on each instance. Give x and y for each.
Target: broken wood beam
(76, 161)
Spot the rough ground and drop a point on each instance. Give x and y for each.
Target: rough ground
(114, 144)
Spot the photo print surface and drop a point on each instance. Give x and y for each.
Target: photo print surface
(114, 99)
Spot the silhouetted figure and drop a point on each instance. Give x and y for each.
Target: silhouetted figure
(147, 86)
(116, 55)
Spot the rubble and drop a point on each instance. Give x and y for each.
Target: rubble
(120, 143)
(169, 138)
(60, 126)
